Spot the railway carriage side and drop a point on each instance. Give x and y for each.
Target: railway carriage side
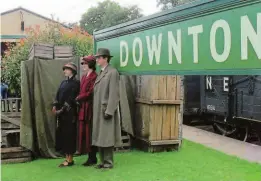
(231, 103)
(192, 94)
(247, 102)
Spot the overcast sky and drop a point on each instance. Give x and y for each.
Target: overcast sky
(71, 10)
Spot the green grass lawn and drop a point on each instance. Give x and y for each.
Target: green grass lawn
(193, 162)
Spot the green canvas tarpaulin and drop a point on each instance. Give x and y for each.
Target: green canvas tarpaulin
(127, 102)
(40, 81)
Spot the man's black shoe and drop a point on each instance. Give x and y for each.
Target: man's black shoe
(90, 163)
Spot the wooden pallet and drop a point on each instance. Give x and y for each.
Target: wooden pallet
(156, 146)
(126, 143)
(15, 155)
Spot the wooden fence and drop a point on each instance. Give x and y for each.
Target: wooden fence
(10, 121)
(11, 105)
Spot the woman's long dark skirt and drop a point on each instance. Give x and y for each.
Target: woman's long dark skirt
(66, 133)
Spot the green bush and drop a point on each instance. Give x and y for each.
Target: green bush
(52, 33)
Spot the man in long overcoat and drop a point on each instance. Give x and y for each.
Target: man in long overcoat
(106, 124)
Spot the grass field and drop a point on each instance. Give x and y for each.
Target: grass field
(193, 162)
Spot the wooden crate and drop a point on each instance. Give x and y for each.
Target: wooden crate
(63, 52)
(159, 107)
(41, 50)
(10, 131)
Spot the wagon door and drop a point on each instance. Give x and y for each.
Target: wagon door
(247, 97)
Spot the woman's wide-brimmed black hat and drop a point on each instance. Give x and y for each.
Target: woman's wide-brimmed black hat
(103, 52)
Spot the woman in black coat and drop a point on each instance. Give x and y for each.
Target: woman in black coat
(65, 109)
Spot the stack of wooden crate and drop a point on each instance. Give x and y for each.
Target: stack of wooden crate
(49, 51)
(63, 52)
(41, 50)
(126, 144)
(159, 104)
(11, 152)
(15, 155)
(10, 122)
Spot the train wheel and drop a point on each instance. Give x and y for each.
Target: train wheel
(241, 134)
(254, 137)
(216, 130)
(224, 130)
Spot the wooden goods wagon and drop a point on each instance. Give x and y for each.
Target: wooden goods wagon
(216, 95)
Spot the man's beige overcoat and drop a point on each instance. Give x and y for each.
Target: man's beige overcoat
(106, 133)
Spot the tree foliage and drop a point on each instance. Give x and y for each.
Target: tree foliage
(106, 14)
(53, 33)
(168, 4)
